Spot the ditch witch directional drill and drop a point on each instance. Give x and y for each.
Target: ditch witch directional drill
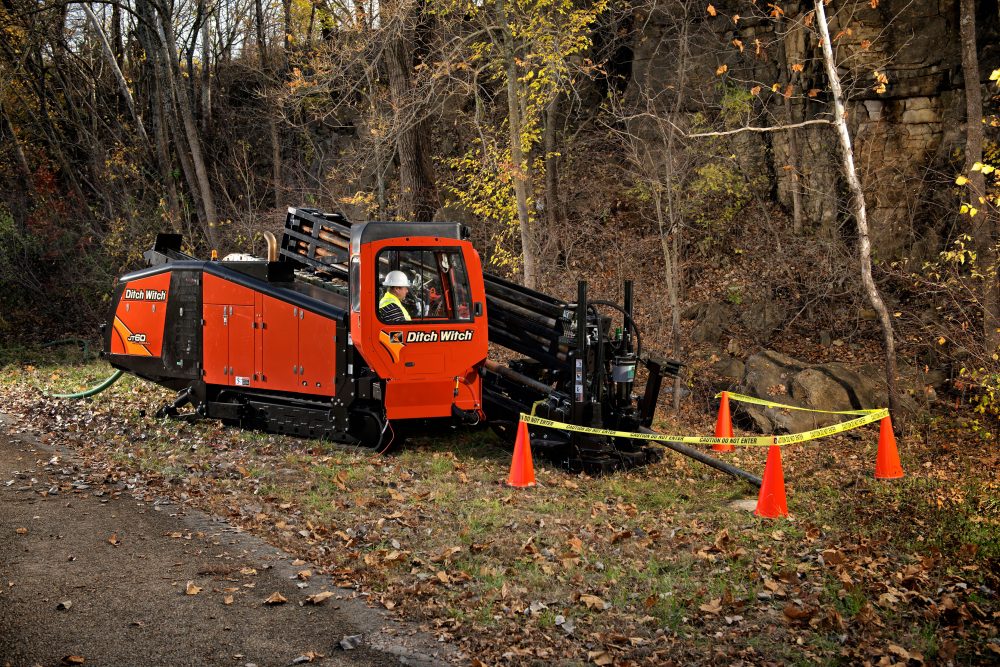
(297, 343)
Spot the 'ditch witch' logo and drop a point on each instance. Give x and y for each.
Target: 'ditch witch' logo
(392, 341)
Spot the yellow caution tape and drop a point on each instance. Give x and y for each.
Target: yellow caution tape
(868, 417)
(740, 398)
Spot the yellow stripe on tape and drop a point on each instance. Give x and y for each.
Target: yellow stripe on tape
(740, 398)
(748, 441)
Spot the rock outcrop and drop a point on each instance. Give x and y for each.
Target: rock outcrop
(831, 386)
(901, 133)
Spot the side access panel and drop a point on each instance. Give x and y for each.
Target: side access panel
(140, 317)
(317, 353)
(241, 345)
(216, 343)
(279, 344)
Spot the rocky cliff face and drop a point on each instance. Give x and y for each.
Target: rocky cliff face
(906, 136)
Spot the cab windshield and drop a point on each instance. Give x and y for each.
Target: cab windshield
(434, 286)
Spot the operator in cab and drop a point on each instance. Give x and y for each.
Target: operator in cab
(390, 307)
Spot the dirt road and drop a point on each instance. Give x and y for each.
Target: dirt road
(89, 573)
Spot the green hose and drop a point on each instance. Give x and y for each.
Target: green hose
(89, 392)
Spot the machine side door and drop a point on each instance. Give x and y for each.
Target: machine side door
(279, 344)
(317, 353)
(228, 339)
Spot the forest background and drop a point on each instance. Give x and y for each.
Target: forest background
(685, 145)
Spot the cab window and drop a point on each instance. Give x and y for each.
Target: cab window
(433, 287)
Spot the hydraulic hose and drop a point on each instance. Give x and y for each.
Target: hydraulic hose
(92, 391)
(721, 466)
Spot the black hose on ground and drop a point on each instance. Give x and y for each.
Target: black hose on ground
(706, 459)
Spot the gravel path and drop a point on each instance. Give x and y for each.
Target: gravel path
(88, 573)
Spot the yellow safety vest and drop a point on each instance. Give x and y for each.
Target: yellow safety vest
(388, 299)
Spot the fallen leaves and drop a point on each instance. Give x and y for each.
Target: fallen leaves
(425, 540)
(192, 589)
(319, 598)
(275, 598)
(594, 602)
(712, 606)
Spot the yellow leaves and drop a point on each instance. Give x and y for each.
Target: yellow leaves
(711, 10)
(995, 76)
(775, 87)
(192, 589)
(798, 67)
(987, 169)
(961, 180)
(722, 69)
(881, 81)
(755, 90)
(738, 44)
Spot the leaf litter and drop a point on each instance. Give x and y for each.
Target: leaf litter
(648, 567)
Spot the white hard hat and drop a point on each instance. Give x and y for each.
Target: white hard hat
(396, 279)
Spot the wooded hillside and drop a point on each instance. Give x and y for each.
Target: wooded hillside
(687, 145)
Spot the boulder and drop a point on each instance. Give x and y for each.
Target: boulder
(763, 317)
(833, 386)
(710, 320)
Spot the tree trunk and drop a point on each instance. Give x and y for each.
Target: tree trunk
(116, 36)
(553, 207)
(860, 214)
(206, 71)
(190, 129)
(164, 161)
(416, 181)
(518, 165)
(272, 122)
(113, 64)
(287, 6)
(984, 225)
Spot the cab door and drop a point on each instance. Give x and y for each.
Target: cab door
(428, 362)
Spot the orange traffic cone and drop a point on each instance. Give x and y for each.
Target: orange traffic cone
(522, 471)
(887, 460)
(724, 425)
(771, 503)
